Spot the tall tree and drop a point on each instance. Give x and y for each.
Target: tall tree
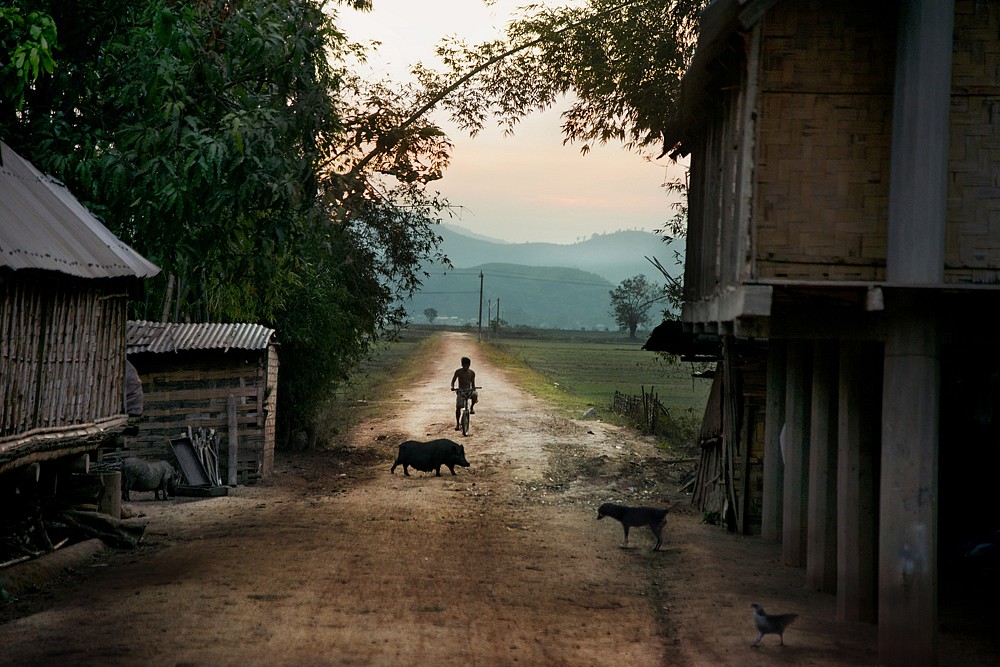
(631, 301)
(226, 142)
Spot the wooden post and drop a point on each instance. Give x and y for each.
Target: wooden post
(110, 500)
(233, 440)
(79, 463)
(774, 467)
(796, 483)
(821, 554)
(730, 432)
(860, 399)
(746, 439)
(915, 255)
(28, 476)
(908, 499)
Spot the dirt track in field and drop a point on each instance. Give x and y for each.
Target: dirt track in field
(334, 561)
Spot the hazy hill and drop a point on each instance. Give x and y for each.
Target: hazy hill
(544, 297)
(544, 285)
(615, 256)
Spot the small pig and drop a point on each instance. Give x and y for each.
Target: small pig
(427, 456)
(155, 476)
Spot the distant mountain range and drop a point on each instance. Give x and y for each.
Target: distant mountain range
(543, 285)
(614, 256)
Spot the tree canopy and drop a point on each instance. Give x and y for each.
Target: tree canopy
(618, 63)
(230, 143)
(26, 43)
(226, 142)
(631, 301)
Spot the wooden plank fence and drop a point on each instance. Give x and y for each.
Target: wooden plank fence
(645, 411)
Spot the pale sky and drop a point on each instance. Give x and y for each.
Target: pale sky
(525, 187)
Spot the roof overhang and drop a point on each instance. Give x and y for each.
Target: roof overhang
(44, 227)
(671, 337)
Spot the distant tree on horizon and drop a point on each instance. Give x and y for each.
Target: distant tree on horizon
(431, 314)
(631, 301)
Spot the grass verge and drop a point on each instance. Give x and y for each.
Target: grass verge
(355, 401)
(577, 374)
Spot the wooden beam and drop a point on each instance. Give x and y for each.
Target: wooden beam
(48, 444)
(233, 432)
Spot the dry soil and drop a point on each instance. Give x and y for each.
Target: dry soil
(333, 561)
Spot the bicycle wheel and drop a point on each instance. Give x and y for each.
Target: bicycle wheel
(465, 422)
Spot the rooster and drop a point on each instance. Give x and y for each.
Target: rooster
(770, 624)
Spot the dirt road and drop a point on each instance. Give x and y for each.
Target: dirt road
(336, 562)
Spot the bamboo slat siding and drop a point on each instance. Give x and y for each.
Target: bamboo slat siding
(21, 340)
(824, 127)
(972, 241)
(63, 358)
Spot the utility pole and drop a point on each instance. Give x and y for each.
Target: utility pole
(480, 306)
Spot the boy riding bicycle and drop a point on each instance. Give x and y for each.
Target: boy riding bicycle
(466, 378)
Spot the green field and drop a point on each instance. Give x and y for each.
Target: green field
(581, 373)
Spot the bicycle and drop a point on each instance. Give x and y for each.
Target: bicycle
(465, 407)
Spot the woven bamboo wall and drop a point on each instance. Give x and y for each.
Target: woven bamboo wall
(972, 242)
(63, 353)
(825, 112)
(192, 389)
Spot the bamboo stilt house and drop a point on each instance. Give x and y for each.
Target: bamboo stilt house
(64, 280)
(842, 206)
(209, 376)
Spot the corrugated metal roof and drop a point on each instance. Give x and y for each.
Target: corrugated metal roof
(43, 226)
(142, 336)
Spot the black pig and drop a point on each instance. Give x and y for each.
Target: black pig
(155, 476)
(427, 456)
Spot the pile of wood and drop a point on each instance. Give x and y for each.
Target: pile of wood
(46, 508)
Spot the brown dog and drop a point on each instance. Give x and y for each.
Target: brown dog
(630, 517)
